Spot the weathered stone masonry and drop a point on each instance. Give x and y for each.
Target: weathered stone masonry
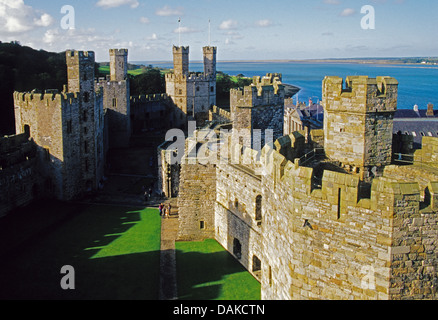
(309, 237)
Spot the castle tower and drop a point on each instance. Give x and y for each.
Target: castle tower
(88, 136)
(192, 94)
(68, 130)
(358, 121)
(80, 71)
(210, 61)
(181, 61)
(116, 99)
(118, 64)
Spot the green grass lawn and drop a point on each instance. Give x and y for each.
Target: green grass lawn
(106, 70)
(115, 252)
(206, 271)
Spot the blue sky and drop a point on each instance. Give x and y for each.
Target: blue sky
(241, 29)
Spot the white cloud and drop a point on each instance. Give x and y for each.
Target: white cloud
(167, 11)
(153, 37)
(16, 17)
(185, 30)
(332, 2)
(145, 20)
(264, 23)
(348, 12)
(228, 25)
(106, 4)
(229, 42)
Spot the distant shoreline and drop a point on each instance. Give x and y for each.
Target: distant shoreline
(371, 61)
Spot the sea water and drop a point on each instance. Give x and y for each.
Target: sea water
(418, 85)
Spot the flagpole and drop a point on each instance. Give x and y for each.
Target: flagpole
(179, 32)
(209, 33)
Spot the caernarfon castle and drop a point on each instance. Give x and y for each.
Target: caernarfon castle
(314, 214)
(63, 138)
(318, 214)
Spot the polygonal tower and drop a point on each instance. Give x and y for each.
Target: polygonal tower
(181, 61)
(80, 71)
(210, 61)
(358, 121)
(118, 64)
(116, 99)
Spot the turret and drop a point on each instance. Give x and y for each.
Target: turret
(358, 121)
(210, 61)
(118, 64)
(80, 70)
(181, 61)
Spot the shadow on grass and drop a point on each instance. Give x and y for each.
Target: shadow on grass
(212, 275)
(115, 253)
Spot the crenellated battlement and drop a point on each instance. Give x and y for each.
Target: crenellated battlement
(63, 98)
(209, 50)
(263, 91)
(182, 49)
(118, 52)
(192, 77)
(149, 98)
(338, 190)
(360, 94)
(74, 56)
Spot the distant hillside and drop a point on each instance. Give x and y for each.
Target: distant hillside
(24, 69)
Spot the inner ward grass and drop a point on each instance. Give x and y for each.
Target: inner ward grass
(206, 271)
(115, 253)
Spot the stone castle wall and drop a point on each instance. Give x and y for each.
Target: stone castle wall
(68, 129)
(259, 106)
(310, 231)
(20, 181)
(196, 202)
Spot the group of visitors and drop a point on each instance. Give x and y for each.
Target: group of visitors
(165, 210)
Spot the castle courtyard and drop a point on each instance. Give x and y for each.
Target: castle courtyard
(115, 252)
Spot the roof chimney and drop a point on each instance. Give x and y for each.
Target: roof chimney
(430, 112)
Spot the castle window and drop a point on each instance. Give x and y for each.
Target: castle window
(47, 154)
(270, 276)
(84, 77)
(236, 204)
(180, 91)
(86, 97)
(69, 127)
(339, 203)
(258, 209)
(114, 102)
(84, 116)
(27, 130)
(212, 89)
(202, 225)
(237, 248)
(256, 264)
(197, 88)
